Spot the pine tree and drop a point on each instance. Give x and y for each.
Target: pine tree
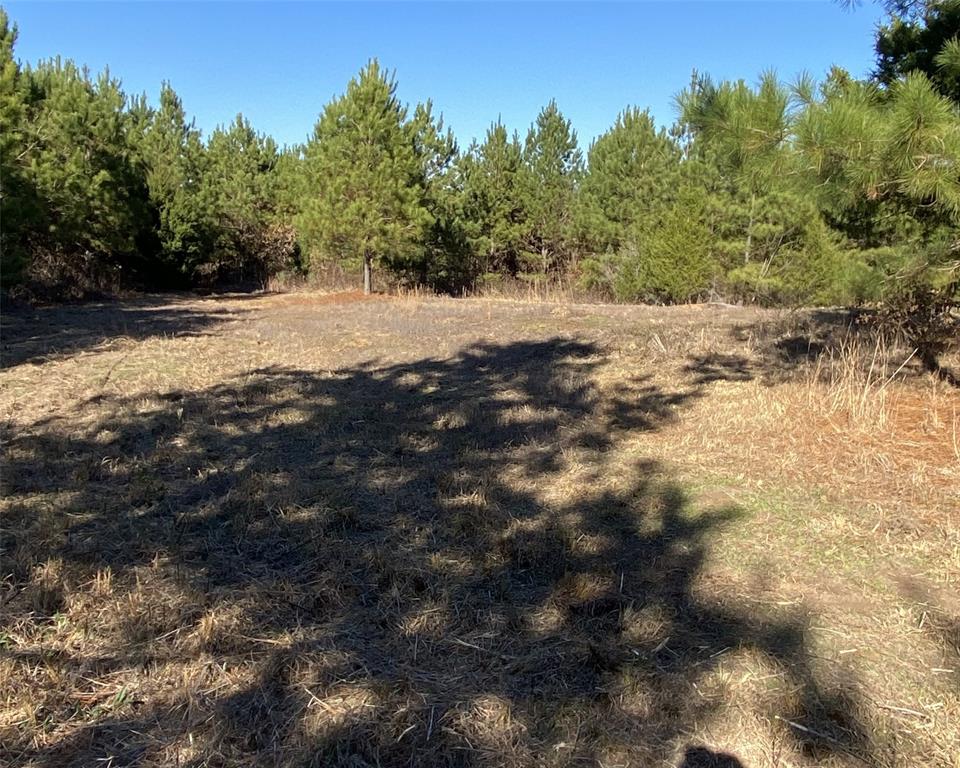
(495, 207)
(921, 37)
(18, 203)
(901, 146)
(632, 172)
(240, 191)
(745, 132)
(553, 168)
(444, 263)
(364, 196)
(87, 176)
(173, 155)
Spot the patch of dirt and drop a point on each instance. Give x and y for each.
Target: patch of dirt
(321, 299)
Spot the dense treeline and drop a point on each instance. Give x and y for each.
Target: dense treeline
(841, 191)
(101, 190)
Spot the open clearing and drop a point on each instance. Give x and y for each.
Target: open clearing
(300, 530)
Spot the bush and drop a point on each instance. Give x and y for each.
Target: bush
(925, 313)
(860, 282)
(53, 275)
(816, 267)
(597, 273)
(670, 259)
(753, 282)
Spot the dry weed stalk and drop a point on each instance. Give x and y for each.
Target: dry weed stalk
(851, 380)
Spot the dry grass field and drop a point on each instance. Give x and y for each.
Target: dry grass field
(292, 530)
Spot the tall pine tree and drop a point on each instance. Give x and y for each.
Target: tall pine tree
(494, 200)
(444, 262)
(18, 203)
(363, 195)
(81, 162)
(633, 171)
(173, 156)
(553, 167)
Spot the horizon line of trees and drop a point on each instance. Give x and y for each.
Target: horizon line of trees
(838, 192)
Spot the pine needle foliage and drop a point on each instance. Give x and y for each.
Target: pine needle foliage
(364, 195)
(844, 191)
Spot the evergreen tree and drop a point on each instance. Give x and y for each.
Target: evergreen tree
(553, 167)
(921, 37)
(900, 147)
(632, 171)
(288, 181)
(240, 190)
(494, 203)
(671, 259)
(444, 262)
(18, 204)
(87, 177)
(364, 196)
(745, 132)
(173, 156)
(815, 193)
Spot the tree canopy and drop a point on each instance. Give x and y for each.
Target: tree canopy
(364, 191)
(838, 191)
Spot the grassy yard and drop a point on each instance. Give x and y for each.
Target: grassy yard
(291, 530)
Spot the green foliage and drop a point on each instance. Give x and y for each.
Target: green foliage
(671, 260)
(174, 158)
(771, 238)
(495, 210)
(798, 182)
(846, 191)
(239, 187)
(552, 169)
(18, 212)
(921, 37)
(91, 215)
(921, 149)
(809, 267)
(900, 146)
(364, 195)
(633, 172)
(669, 263)
(444, 260)
(839, 136)
(746, 130)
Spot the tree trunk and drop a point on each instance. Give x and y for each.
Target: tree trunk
(367, 274)
(746, 253)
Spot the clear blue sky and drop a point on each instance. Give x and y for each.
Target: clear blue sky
(280, 63)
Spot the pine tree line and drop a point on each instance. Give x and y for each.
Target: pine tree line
(830, 192)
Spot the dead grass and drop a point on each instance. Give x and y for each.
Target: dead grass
(312, 530)
(843, 424)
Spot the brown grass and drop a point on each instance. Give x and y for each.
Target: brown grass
(315, 530)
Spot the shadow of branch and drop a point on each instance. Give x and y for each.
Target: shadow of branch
(427, 563)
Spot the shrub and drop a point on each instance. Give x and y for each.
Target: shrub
(670, 259)
(925, 312)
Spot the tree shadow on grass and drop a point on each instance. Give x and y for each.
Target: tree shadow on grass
(35, 334)
(702, 757)
(939, 621)
(814, 343)
(782, 350)
(435, 563)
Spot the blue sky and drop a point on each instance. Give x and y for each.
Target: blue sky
(279, 63)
